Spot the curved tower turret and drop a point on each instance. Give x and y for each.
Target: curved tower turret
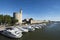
(18, 16)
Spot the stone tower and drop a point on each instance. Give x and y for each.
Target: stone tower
(18, 16)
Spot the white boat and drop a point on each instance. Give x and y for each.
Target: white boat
(37, 26)
(12, 32)
(40, 26)
(22, 29)
(30, 28)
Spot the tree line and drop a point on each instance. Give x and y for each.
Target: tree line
(7, 19)
(27, 22)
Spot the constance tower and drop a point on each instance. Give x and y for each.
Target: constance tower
(18, 16)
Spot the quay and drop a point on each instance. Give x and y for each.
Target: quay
(2, 27)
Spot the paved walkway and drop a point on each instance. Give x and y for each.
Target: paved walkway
(2, 28)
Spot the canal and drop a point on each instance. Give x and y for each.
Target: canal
(51, 32)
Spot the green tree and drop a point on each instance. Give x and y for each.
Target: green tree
(1, 19)
(7, 19)
(13, 21)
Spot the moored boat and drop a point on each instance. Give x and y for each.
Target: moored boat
(22, 29)
(12, 32)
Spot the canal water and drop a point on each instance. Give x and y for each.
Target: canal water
(51, 32)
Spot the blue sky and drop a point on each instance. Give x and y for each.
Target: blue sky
(37, 9)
